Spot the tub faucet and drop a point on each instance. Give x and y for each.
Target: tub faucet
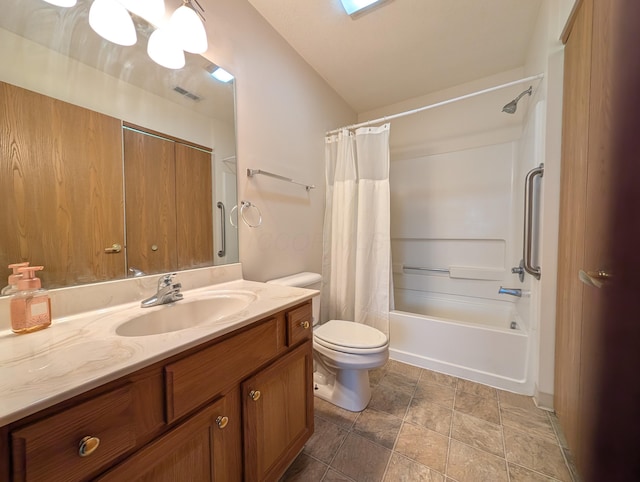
(510, 291)
(168, 292)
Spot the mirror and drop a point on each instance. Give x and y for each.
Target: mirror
(51, 52)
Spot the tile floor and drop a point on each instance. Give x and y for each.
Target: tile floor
(423, 425)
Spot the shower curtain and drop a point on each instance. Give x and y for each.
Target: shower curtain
(356, 237)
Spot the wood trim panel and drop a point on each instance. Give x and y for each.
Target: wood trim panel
(568, 27)
(165, 136)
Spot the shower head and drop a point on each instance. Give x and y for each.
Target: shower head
(511, 107)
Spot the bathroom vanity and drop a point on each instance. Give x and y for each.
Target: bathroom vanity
(229, 400)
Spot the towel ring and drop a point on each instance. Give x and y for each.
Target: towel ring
(243, 206)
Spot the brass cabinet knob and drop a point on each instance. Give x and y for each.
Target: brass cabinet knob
(305, 324)
(254, 395)
(222, 421)
(595, 279)
(114, 248)
(88, 445)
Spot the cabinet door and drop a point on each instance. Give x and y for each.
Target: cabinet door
(201, 449)
(278, 414)
(194, 213)
(150, 193)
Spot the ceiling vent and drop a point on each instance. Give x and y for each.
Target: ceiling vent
(186, 93)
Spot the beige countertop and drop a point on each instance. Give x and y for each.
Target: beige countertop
(82, 351)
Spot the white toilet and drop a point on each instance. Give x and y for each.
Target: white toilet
(343, 352)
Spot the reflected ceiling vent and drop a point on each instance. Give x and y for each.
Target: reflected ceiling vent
(186, 93)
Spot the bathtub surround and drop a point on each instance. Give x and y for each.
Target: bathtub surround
(356, 259)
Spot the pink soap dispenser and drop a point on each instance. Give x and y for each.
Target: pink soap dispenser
(12, 287)
(30, 305)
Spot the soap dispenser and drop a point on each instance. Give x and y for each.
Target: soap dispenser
(30, 305)
(12, 287)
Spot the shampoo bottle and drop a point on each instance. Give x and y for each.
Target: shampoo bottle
(12, 287)
(30, 305)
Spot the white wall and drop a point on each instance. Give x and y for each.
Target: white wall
(283, 110)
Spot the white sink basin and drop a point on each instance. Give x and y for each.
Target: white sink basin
(206, 308)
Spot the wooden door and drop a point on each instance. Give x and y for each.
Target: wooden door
(61, 185)
(278, 422)
(191, 451)
(584, 223)
(194, 210)
(150, 194)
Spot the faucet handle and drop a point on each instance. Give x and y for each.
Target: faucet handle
(165, 280)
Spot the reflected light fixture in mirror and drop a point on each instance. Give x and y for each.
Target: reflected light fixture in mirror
(110, 20)
(188, 28)
(151, 10)
(163, 49)
(219, 73)
(62, 3)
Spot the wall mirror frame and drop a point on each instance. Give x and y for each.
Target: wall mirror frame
(70, 101)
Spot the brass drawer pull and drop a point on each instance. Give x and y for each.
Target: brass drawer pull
(305, 324)
(254, 395)
(222, 421)
(114, 248)
(88, 445)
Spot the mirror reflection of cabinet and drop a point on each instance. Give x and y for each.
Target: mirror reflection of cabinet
(168, 190)
(61, 185)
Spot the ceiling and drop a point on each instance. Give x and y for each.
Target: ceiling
(404, 48)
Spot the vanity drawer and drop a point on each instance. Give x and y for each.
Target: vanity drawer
(50, 448)
(299, 324)
(200, 377)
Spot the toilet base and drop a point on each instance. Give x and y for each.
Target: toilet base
(349, 389)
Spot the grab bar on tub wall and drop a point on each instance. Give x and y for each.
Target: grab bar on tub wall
(223, 236)
(527, 251)
(437, 270)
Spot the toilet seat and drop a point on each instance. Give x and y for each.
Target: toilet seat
(350, 337)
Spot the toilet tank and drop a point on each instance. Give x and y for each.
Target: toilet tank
(307, 280)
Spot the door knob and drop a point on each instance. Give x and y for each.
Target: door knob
(222, 421)
(254, 395)
(114, 248)
(595, 279)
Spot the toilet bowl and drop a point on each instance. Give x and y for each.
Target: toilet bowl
(343, 352)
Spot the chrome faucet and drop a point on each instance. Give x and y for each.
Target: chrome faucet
(510, 291)
(168, 292)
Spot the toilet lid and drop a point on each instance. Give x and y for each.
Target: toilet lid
(349, 334)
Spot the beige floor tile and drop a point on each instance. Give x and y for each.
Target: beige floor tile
(391, 399)
(325, 441)
(555, 423)
(516, 400)
(434, 393)
(335, 476)
(339, 416)
(398, 381)
(478, 433)
(439, 378)
(429, 415)
(476, 389)
(423, 446)
(535, 453)
(467, 464)
(521, 474)
(305, 469)
(375, 376)
(405, 369)
(379, 427)
(480, 407)
(402, 469)
(534, 422)
(361, 459)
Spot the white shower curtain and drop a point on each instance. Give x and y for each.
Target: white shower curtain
(356, 237)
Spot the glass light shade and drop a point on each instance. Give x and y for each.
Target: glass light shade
(164, 49)
(189, 30)
(151, 10)
(112, 22)
(62, 3)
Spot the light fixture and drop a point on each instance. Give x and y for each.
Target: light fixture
(164, 49)
(110, 20)
(220, 74)
(62, 3)
(354, 6)
(189, 29)
(150, 10)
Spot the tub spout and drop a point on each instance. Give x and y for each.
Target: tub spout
(510, 291)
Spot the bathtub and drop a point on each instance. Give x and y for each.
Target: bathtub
(473, 338)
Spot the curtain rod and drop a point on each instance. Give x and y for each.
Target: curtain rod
(437, 104)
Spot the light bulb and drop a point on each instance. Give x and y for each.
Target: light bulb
(164, 49)
(189, 30)
(110, 20)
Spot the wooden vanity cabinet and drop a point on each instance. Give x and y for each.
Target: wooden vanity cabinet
(194, 416)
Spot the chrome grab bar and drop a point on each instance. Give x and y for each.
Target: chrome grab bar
(528, 221)
(437, 270)
(223, 236)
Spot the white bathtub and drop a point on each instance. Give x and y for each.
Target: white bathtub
(462, 336)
